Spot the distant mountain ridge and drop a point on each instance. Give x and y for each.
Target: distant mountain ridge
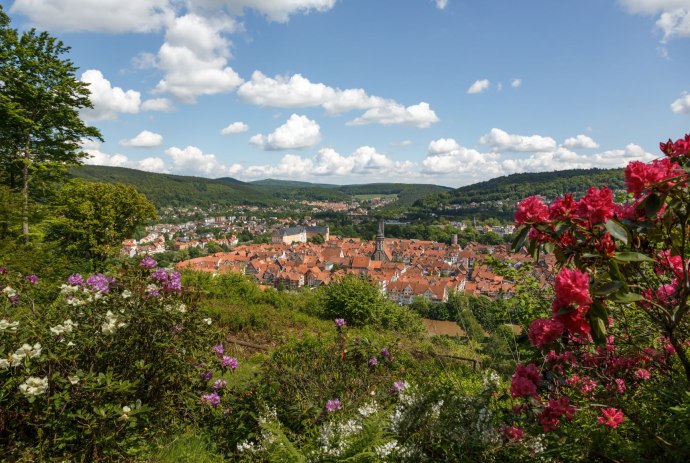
(178, 190)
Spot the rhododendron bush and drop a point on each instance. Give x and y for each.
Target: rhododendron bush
(612, 358)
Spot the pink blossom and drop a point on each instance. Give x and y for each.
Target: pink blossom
(531, 210)
(212, 399)
(572, 287)
(512, 432)
(562, 208)
(543, 332)
(333, 405)
(597, 205)
(611, 417)
(642, 374)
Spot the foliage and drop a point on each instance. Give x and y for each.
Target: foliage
(40, 99)
(360, 302)
(85, 376)
(94, 218)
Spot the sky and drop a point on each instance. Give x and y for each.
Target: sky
(449, 92)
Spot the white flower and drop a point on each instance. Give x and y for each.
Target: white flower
(34, 386)
(4, 364)
(16, 359)
(68, 289)
(7, 325)
(9, 291)
(386, 449)
(110, 325)
(182, 308)
(126, 294)
(70, 344)
(73, 379)
(368, 409)
(208, 321)
(66, 327)
(27, 350)
(125, 413)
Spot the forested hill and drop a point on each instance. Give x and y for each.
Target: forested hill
(519, 186)
(176, 190)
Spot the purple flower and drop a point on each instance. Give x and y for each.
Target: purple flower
(3, 270)
(206, 375)
(99, 282)
(14, 299)
(373, 361)
(218, 349)
(219, 384)
(386, 354)
(148, 262)
(398, 386)
(229, 362)
(33, 279)
(339, 322)
(211, 399)
(160, 275)
(75, 279)
(333, 405)
(173, 283)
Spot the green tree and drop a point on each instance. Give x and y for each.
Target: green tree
(93, 218)
(40, 99)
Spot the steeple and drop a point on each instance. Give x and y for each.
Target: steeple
(379, 254)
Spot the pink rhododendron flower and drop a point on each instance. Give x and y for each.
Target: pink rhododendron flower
(597, 205)
(611, 417)
(531, 210)
(525, 381)
(543, 332)
(554, 410)
(512, 432)
(572, 287)
(563, 208)
(642, 374)
(574, 321)
(606, 245)
(641, 177)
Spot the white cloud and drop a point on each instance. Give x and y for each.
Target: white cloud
(144, 139)
(681, 105)
(580, 141)
(516, 83)
(364, 161)
(109, 16)
(273, 10)
(499, 140)
(479, 86)
(192, 161)
(401, 144)
(157, 104)
(298, 132)
(99, 158)
(107, 100)
(297, 91)
(673, 15)
(446, 156)
(441, 4)
(235, 127)
(419, 115)
(194, 58)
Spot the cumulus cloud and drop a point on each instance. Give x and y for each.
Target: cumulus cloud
(681, 105)
(441, 4)
(419, 115)
(194, 58)
(580, 141)
(100, 158)
(673, 16)
(298, 132)
(516, 83)
(364, 161)
(479, 86)
(107, 100)
(235, 127)
(192, 161)
(446, 156)
(273, 10)
(297, 91)
(144, 139)
(157, 104)
(109, 16)
(499, 140)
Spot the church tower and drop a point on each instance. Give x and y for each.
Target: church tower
(379, 254)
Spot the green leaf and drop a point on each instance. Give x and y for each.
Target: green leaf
(617, 230)
(626, 298)
(652, 205)
(520, 238)
(549, 247)
(565, 310)
(607, 288)
(598, 330)
(625, 257)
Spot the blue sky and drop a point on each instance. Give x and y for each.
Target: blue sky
(356, 91)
